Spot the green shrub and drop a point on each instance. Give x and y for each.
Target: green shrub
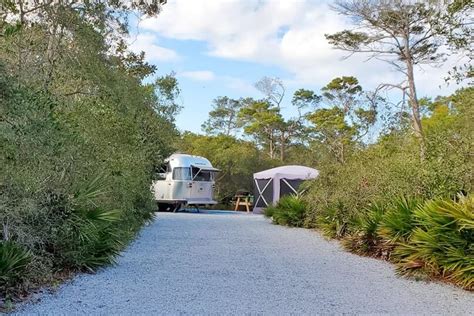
(331, 220)
(76, 170)
(364, 238)
(391, 167)
(269, 210)
(290, 211)
(442, 243)
(13, 261)
(397, 222)
(90, 240)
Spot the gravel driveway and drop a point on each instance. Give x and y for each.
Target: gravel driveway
(235, 263)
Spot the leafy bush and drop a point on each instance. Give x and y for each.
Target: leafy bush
(331, 220)
(397, 223)
(434, 239)
(390, 168)
(13, 261)
(269, 210)
(290, 211)
(364, 238)
(431, 239)
(442, 243)
(90, 240)
(78, 149)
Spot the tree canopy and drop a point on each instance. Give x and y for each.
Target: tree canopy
(404, 35)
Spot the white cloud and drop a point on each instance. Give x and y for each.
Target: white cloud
(287, 34)
(198, 75)
(146, 43)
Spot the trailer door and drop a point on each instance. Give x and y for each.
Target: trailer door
(202, 186)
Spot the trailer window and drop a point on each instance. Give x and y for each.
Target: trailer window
(181, 173)
(202, 175)
(161, 171)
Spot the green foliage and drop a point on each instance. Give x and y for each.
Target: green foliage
(342, 90)
(80, 136)
(350, 40)
(289, 211)
(372, 201)
(329, 219)
(348, 114)
(432, 239)
(397, 222)
(88, 239)
(303, 98)
(406, 34)
(167, 91)
(333, 130)
(385, 28)
(364, 238)
(442, 243)
(261, 119)
(391, 168)
(13, 261)
(223, 119)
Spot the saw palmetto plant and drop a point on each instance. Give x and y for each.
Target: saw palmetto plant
(13, 261)
(290, 211)
(364, 237)
(442, 243)
(397, 222)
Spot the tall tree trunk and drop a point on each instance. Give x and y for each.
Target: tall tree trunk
(415, 106)
(282, 148)
(22, 12)
(229, 124)
(271, 147)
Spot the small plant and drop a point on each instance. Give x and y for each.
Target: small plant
(332, 221)
(290, 210)
(398, 223)
(92, 240)
(364, 238)
(442, 243)
(269, 210)
(13, 261)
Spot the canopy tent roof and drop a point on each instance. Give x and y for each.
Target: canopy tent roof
(270, 184)
(288, 172)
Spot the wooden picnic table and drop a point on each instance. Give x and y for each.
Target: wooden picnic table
(243, 200)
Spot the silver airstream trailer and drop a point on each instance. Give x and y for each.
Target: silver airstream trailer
(184, 180)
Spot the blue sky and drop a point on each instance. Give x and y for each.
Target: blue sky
(222, 47)
(203, 78)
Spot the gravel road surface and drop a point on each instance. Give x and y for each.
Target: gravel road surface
(235, 263)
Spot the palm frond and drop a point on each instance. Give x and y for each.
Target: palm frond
(13, 260)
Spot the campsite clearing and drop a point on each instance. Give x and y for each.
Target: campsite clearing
(238, 263)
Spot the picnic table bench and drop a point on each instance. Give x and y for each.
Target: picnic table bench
(243, 200)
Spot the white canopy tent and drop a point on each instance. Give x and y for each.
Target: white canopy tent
(271, 184)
